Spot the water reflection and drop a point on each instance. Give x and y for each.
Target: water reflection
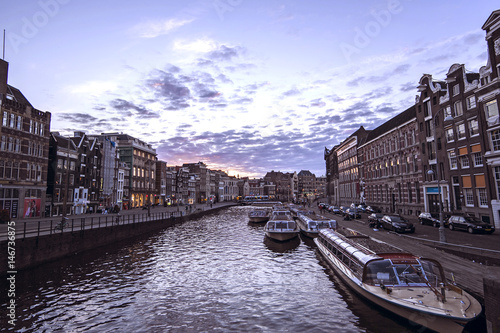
(212, 274)
(281, 247)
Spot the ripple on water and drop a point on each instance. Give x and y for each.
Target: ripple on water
(216, 273)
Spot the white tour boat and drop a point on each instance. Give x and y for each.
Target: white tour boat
(259, 215)
(409, 286)
(281, 226)
(310, 224)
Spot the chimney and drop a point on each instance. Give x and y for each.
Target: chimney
(4, 71)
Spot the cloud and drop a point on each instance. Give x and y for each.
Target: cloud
(153, 29)
(226, 53)
(199, 46)
(79, 118)
(130, 108)
(292, 92)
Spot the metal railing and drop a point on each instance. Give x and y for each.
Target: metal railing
(78, 224)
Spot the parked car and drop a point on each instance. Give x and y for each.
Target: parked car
(430, 219)
(397, 223)
(372, 209)
(374, 220)
(335, 210)
(352, 213)
(470, 224)
(361, 208)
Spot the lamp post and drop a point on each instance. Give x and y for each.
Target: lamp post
(442, 236)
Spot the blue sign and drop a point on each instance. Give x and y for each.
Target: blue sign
(432, 189)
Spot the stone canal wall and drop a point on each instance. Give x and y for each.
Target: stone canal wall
(32, 251)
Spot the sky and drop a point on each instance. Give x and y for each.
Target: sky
(244, 86)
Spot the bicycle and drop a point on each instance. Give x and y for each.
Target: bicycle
(61, 225)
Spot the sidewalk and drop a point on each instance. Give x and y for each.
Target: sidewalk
(153, 209)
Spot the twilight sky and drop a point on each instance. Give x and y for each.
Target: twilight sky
(246, 86)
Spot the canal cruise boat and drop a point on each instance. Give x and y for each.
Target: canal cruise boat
(259, 215)
(409, 286)
(281, 225)
(310, 224)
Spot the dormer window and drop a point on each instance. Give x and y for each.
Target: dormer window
(456, 89)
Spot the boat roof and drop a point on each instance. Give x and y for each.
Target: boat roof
(363, 247)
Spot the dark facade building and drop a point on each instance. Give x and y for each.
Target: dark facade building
(332, 173)
(24, 142)
(488, 99)
(389, 166)
(306, 185)
(75, 179)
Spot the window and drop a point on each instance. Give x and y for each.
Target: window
(449, 134)
(495, 140)
(3, 143)
(473, 127)
(497, 179)
(464, 161)
(456, 89)
(8, 170)
(428, 129)
(461, 131)
(491, 109)
(19, 122)
(477, 156)
(5, 118)
(469, 197)
(478, 159)
(482, 197)
(447, 111)
(471, 102)
(452, 157)
(12, 120)
(458, 109)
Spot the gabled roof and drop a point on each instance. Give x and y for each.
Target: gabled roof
(492, 19)
(18, 95)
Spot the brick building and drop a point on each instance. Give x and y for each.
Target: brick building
(24, 142)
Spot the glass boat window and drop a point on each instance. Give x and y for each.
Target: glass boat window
(388, 273)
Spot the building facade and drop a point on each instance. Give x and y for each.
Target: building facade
(24, 142)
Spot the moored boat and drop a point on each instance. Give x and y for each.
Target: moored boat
(281, 226)
(406, 285)
(310, 224)
(259, 215)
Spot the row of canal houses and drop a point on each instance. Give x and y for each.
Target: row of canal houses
(445, 147)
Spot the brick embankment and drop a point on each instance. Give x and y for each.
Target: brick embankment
(32, 251)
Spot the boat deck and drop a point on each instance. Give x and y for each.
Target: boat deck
(365, 242)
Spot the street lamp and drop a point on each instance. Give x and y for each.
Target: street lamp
(442, 236)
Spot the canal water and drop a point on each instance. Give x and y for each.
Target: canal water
(214, 274)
